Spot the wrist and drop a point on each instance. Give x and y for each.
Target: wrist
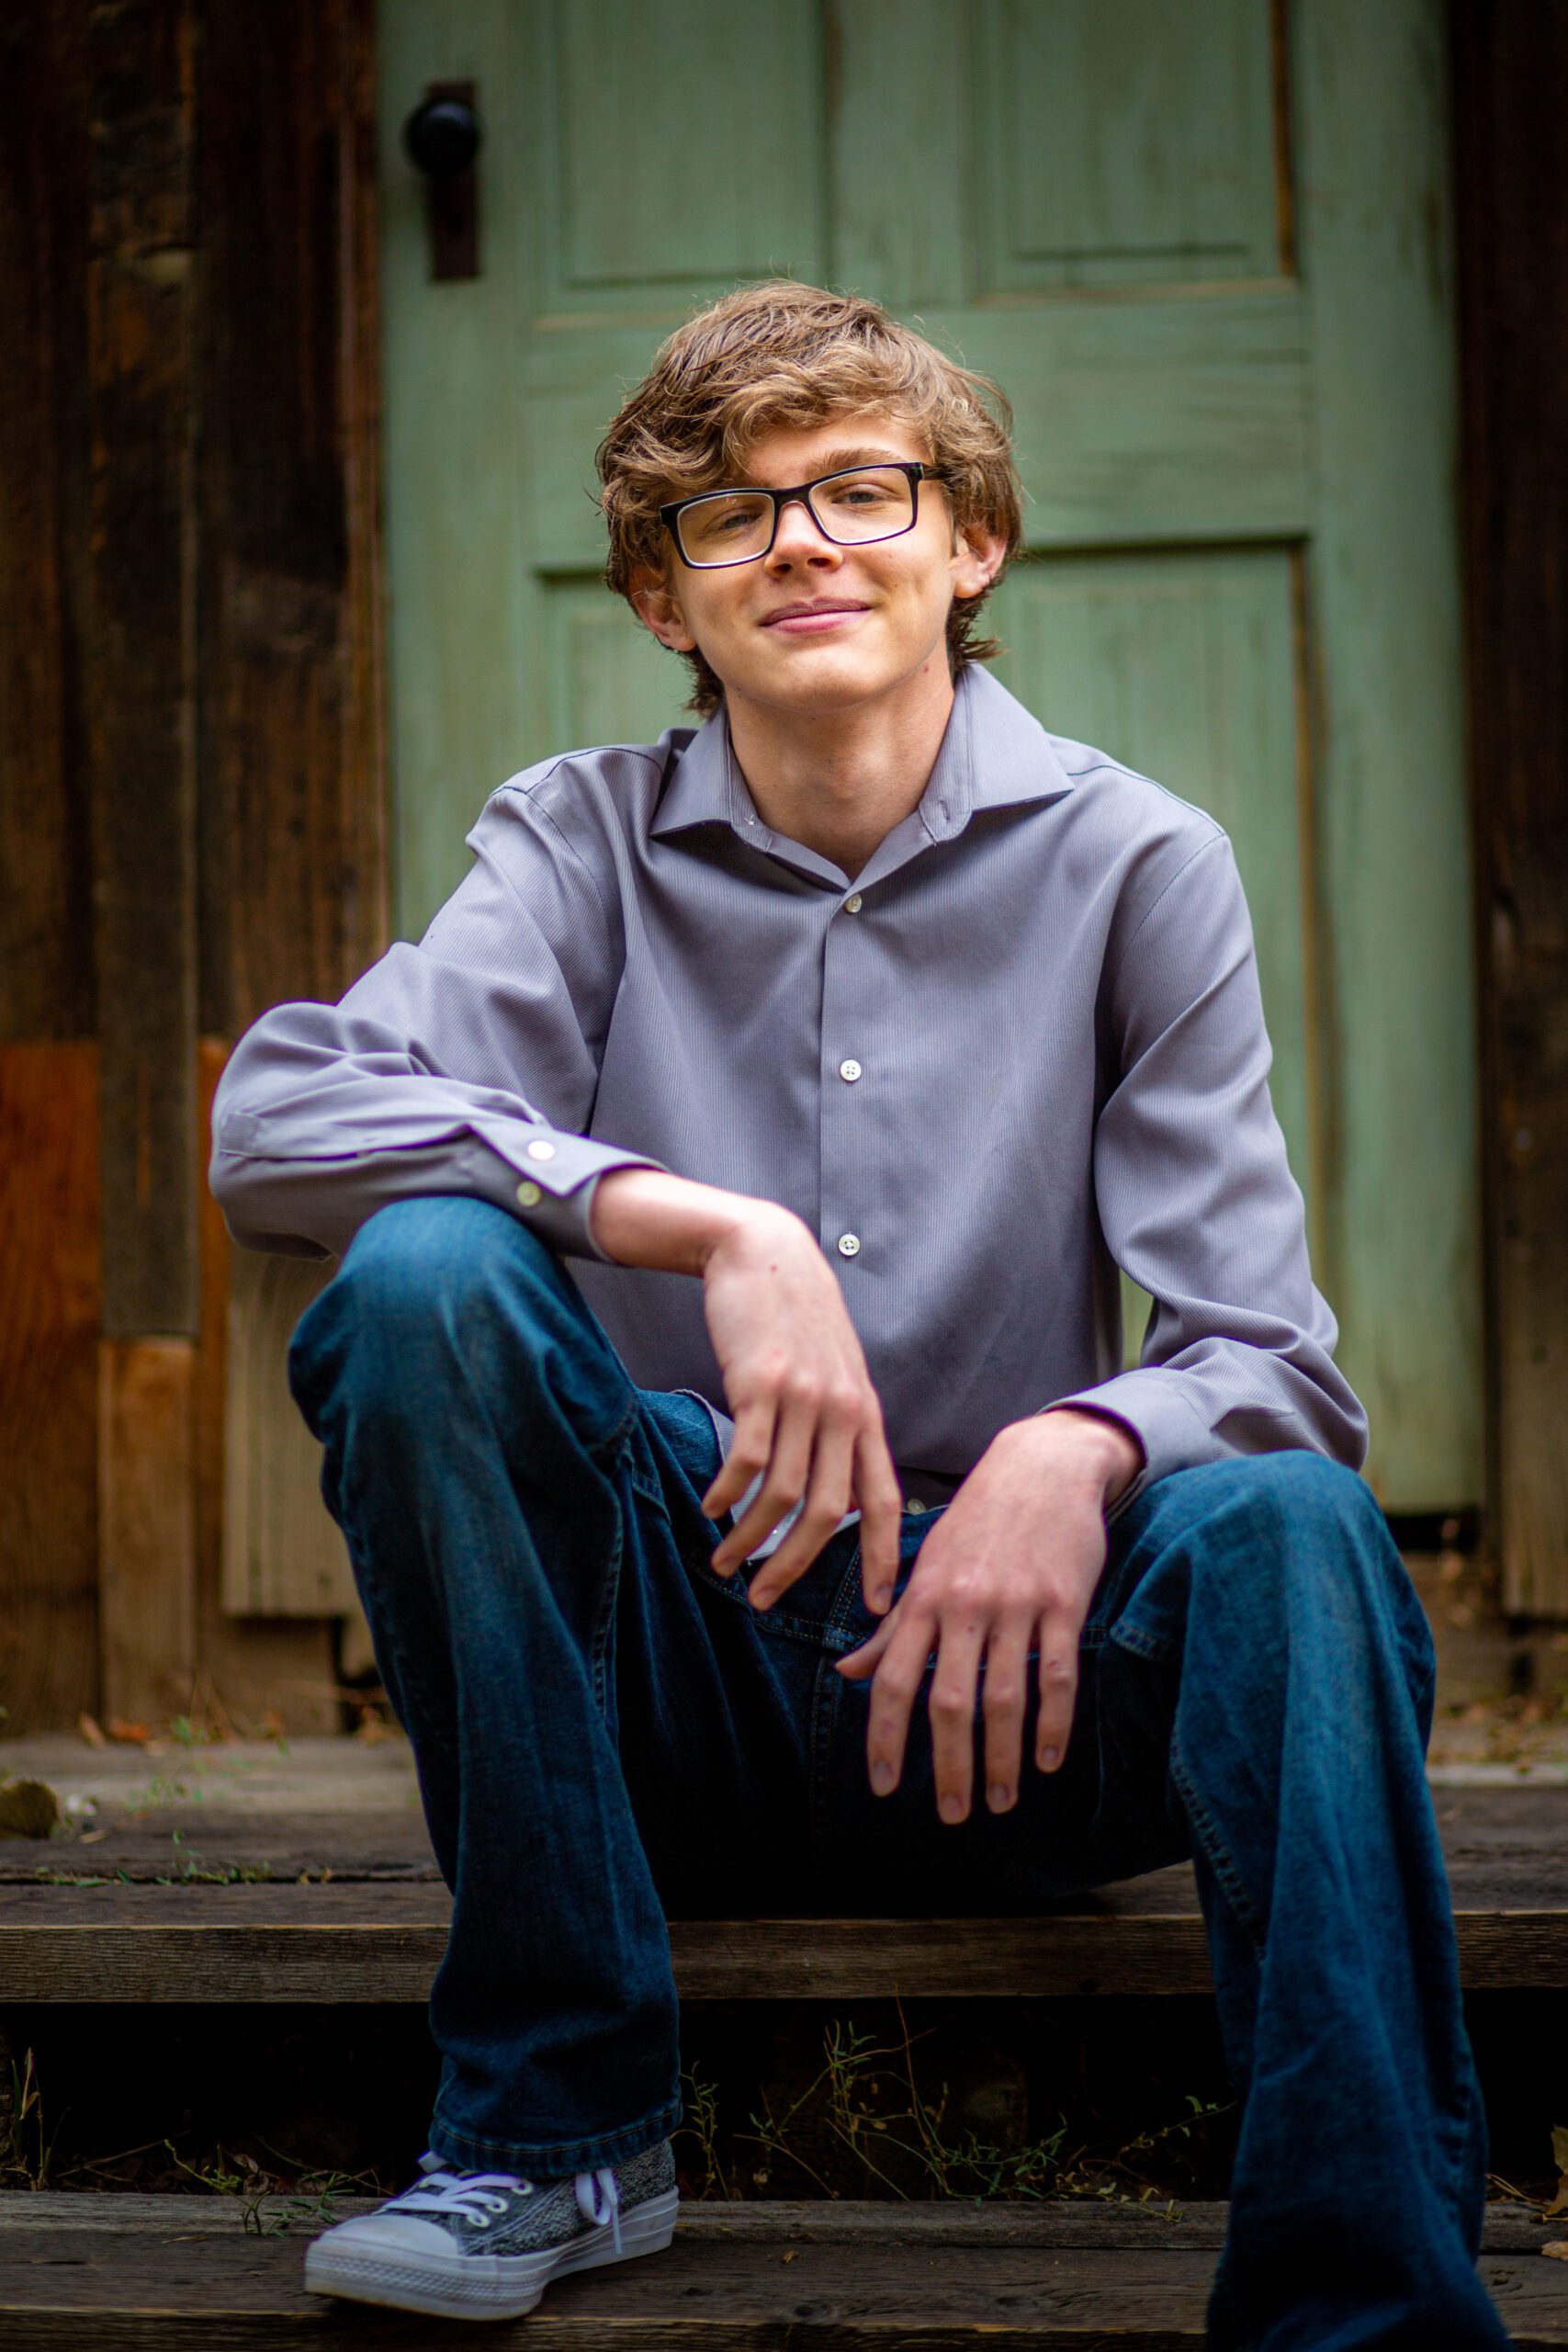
(1103, 1453)
(643, 1216)
(1120, 1450)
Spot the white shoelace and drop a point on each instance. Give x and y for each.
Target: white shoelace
(475, 2196)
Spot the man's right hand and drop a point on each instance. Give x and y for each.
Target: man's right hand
(806, 1417)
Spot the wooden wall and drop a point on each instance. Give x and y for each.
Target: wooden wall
(191, 774)
(1511, 101)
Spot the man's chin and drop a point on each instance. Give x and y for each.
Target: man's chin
(815, 687)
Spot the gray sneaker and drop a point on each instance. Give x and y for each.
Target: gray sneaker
(486, 2244)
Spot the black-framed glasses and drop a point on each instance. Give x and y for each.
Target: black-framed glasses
(851, 507)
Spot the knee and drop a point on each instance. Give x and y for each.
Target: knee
(1301, 1496)
(1309, 1538)
(422, 1278)
(435, 1255)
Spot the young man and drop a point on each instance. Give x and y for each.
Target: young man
(827, 1559)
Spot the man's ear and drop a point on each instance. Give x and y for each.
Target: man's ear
(659, 608)
(977, 557)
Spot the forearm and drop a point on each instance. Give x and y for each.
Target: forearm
(642, 1216)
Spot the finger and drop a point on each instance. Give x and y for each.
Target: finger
(1001, 1704)
(894, 1689)
(827, 1500)
(783, 1485)
(1058, 1686)
(750, 1448)
(882, 1518)
(857, 1664)
(952, 1710)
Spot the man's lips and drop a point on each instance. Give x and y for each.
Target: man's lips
(807, 620)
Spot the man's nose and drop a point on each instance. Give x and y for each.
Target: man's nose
(797, 539)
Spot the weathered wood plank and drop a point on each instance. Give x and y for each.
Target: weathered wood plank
(1511, 73)
(1402, 1262)
(932, 2278)
(283, 1554)
(146, 1527)
(140, 647)
(49, 1358)
(46, 961)
(292, 825)
(254, 1668)
(290, 1943)
(1082, 2224)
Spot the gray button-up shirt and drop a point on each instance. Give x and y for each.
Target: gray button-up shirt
(1025, 1045)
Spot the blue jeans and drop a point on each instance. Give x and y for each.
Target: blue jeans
(605, 1733)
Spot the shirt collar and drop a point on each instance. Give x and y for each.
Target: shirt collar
(994, 754)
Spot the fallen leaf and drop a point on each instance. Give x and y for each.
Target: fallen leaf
(129, 1734)
(1560, 2158)
(1558, 2249)
(91, 1730)
(27, 1809)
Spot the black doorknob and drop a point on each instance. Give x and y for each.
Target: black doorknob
(442, 137)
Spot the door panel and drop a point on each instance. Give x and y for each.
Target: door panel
(1240, 574)
(675, 146)
(1124, 145)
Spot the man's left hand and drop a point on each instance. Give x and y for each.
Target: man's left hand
(1010, 1565)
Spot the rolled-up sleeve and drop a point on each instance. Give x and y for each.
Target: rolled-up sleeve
(1197, 1201)
(466, 1064)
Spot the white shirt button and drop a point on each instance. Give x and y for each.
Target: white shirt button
(540, 1151)
(849, 1070)
(529, 1196)
(849, 1245)
(853, 903)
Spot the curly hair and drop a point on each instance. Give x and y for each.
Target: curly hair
(783, 353)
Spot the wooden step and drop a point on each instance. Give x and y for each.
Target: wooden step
(128, 2273)
(347, 1906)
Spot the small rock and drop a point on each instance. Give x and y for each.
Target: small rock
(27, 1809)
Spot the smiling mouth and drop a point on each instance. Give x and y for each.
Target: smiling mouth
(807, 617)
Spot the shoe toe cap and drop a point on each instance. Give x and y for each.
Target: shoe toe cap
(390, 2233)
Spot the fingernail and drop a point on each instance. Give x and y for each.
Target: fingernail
(1050, 1760)
(997, 1797)
(881, 1777)
(882, 1596)
(952, 1808)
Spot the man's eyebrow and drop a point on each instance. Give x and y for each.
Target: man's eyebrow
(839, 460)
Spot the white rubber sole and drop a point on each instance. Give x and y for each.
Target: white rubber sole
(480, 2286)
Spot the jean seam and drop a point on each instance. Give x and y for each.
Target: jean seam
(806, 1630)
(1217, 1853)
(610, 1446)
(1156, 1647)
(603, 1625)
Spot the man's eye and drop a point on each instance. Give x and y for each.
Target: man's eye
(860, 493)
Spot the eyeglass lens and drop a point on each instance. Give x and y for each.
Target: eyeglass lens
(733, 526)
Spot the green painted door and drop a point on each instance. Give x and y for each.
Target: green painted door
(1205, 251)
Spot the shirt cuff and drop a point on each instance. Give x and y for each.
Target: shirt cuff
(549, 1181)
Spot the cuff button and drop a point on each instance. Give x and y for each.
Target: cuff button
(529, 1196)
